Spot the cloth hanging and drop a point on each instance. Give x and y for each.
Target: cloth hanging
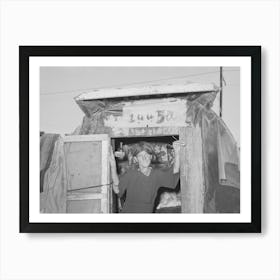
(47, 142)
(53, 198)
(228, 157)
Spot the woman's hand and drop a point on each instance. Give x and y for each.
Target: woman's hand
(116, 189)
(177, 145)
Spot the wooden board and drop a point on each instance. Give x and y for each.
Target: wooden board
(171, 86)
(166, 112)
(116, 132)
(148, 118)
(80, 159)
(85, 202)
(191, 169)
(87, 169)
(85, 206)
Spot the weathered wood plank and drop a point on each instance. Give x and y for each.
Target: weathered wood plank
(143, 131)
(169, 87)
(192, 177)
(86, 138)
(84, 162)
(150, 113)
(83, 206)
(85, 196)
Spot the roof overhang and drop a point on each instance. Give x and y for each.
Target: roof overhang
(153, 89)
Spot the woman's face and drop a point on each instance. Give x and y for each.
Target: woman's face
(144, 159)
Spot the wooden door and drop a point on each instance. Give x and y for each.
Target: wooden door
(87, 173)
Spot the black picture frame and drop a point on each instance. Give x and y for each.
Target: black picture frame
(254, 52)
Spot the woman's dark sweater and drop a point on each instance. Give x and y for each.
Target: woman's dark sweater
(141, 190)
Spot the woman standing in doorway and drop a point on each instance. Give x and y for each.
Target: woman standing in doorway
(141, 185)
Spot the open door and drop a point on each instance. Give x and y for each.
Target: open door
(87, 174)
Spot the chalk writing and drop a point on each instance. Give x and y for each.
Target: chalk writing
(150, 113)
(158, 116)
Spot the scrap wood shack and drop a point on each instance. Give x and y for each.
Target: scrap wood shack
(159, 113)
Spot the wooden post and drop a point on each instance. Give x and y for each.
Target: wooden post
(191, 169)
(221, 92)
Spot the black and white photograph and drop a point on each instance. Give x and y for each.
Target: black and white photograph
(150, 140)
(142, 138)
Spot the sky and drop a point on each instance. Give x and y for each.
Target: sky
(59, 113)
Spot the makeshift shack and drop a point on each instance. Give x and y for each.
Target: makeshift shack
(158, 113)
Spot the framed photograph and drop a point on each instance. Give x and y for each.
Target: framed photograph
(140, 139)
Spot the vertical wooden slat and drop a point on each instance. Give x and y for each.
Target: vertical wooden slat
(192, 177)
(104, 176)
(111, 193)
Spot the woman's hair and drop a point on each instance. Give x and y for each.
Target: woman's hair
(142, 146)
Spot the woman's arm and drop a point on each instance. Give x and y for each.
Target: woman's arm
(170, 177)
(120, 184)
